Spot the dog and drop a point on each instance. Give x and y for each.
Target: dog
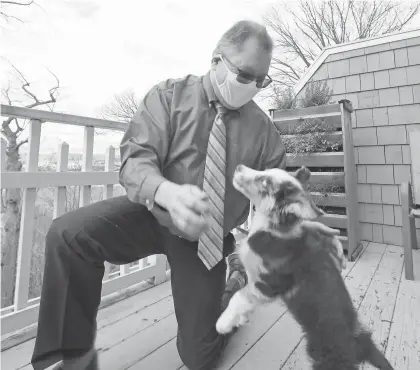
(291, 256)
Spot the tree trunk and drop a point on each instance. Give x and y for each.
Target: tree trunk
(10, 226)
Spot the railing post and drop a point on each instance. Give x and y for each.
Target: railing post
(109, 166)
(85, 191)
(350, 180)
(3, 154)
(61, 191)
(109, 191)
(23, 270)
(160, 269)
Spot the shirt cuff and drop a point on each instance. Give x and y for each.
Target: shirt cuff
(148, 189)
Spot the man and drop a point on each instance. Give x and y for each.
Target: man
(178, 158)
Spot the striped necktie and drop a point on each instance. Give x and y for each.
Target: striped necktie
(210, 244)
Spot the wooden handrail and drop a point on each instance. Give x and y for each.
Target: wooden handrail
(330, 110)
(64, 118)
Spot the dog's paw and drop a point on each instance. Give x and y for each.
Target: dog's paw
(226, 323)
(243, 319)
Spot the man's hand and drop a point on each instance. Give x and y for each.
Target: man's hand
(187, 205)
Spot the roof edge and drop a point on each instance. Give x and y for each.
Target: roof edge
(391, 37)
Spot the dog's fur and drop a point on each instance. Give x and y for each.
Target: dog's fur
(289, 255)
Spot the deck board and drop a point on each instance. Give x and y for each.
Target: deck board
(403, 350)
(18, 357)
(377, 308)
(139, 332)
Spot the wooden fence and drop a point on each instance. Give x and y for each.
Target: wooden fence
(24, 311)
(341, 207)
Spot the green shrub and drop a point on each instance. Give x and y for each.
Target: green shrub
(310, 135)
(284, 98)
(316, 93)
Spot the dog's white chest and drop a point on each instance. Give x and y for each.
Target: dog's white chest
(251, 261)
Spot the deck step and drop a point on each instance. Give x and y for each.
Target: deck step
(329, 199)
(334, 221)
(333, 159)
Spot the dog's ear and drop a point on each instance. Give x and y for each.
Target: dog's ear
(303, 175)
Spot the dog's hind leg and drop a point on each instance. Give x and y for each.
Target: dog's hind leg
(330, 357)
(367, 351)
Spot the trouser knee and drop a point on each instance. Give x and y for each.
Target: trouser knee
(198, 355)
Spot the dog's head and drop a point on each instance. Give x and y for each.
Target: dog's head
(279, 197)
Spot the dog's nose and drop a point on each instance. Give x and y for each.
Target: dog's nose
(239, 168)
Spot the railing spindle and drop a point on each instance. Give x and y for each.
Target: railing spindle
(85, 191)
(23, 270)
(61, 191)
(109, 191)
(160, 266)
(109, 166)
(3, 155)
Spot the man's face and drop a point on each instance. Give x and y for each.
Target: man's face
(250, 59)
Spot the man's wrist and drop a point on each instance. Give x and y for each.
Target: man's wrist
(164, 194)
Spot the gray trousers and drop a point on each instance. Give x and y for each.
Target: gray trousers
(121, 232)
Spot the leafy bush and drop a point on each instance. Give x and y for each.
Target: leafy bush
(310, 135)
(284, 98)
(316, 93)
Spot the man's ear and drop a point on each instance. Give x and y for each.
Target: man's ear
(303, 175)
(214, 60)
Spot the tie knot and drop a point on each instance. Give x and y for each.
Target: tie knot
(221, 109)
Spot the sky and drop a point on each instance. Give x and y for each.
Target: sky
(99, 48)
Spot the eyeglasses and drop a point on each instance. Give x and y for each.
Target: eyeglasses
(245, 77)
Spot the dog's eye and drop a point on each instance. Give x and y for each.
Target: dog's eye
(264, 182)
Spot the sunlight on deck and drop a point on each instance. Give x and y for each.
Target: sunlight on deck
(139, 332)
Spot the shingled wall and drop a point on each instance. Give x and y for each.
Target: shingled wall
(383, 84)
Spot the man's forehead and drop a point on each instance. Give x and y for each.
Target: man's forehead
(250, 58)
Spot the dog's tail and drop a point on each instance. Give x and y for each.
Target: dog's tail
(367, 351)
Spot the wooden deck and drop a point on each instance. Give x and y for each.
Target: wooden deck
(139, 332)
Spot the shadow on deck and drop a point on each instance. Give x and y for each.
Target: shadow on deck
(139, 332)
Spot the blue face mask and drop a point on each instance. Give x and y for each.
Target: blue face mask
(234, 93)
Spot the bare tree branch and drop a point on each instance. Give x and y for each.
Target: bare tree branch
(12, 4)
(122, 108)
(21, 143)
(13, 134)
(18, 2)
(303, 28)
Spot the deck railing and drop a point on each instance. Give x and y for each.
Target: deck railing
(24, 311)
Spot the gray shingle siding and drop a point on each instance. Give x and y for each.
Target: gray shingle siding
(383, 84)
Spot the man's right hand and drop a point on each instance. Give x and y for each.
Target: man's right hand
(187, 205)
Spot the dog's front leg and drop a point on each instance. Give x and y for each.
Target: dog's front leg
(240, 306)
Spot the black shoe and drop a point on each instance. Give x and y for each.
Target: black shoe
(237, 279)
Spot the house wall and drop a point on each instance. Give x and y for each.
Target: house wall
(383, 84)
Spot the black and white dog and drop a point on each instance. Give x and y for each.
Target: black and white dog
(289, 255)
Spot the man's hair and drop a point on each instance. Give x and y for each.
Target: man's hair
(242, 31)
